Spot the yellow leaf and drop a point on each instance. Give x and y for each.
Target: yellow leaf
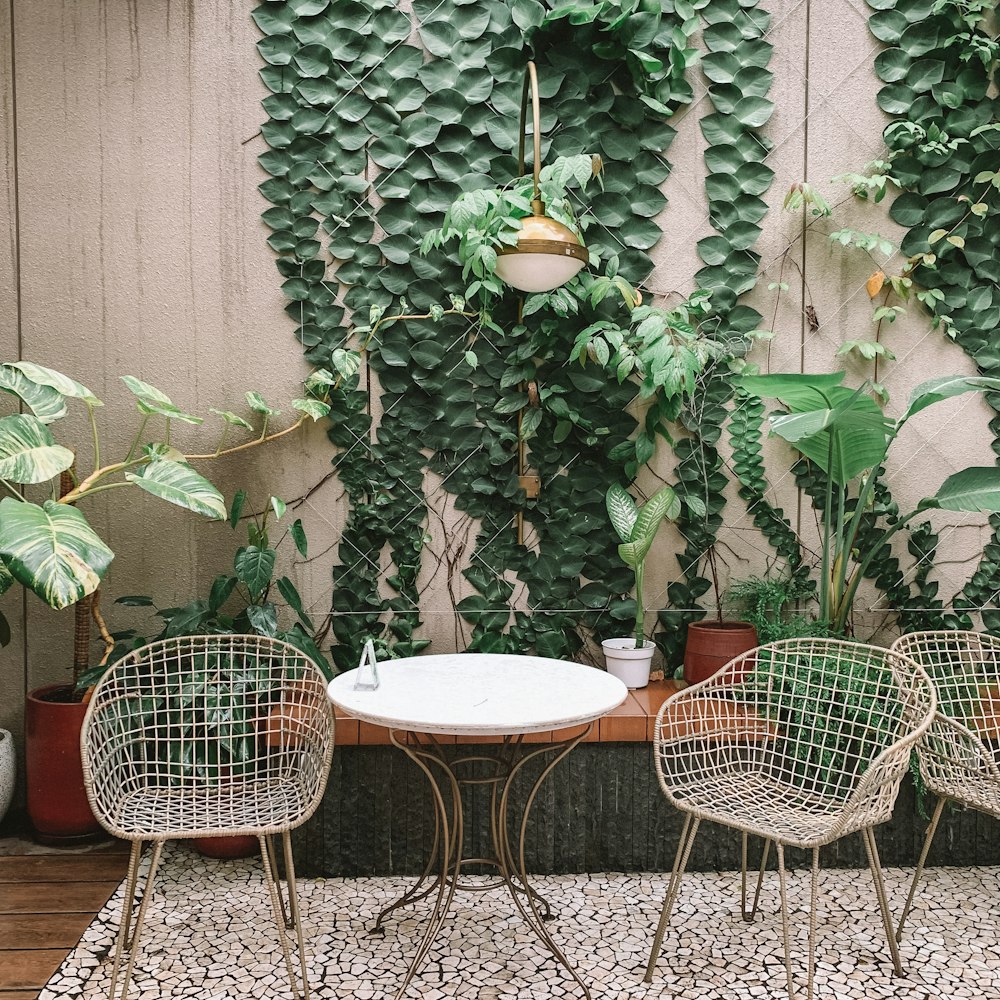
(875, 283)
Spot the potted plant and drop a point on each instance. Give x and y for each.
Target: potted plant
(629, 658)
(847, 436)
(49, 548)
(242, 603)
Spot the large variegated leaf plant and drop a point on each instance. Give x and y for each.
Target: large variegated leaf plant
(46, 543)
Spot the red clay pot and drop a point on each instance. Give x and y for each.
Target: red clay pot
(711, 645)
(226, 847)
(57, 803)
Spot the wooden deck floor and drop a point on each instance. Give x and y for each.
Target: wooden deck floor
(46, 902)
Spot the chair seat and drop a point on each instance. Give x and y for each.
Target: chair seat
(982, 795)
(248, 807)
(760, 805)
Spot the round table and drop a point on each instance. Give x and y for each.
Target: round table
(479, 695)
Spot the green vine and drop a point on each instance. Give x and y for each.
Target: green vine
(736, 65)
(938, 67)
(433, 409)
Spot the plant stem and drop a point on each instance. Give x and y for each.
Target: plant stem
(13, 492)
(137, 439)
(248, 444)
(94, 436)
(640, 608)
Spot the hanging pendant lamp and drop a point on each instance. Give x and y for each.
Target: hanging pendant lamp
(547, 253)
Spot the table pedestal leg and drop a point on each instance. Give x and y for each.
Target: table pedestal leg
(443, 766)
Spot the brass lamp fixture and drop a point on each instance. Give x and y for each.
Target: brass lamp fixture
(547, 253)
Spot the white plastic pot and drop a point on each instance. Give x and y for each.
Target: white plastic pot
(7, 774)
(629, 664)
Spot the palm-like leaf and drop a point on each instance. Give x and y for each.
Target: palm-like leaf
(622, 511)
(62, 384)
(51, 550)
(976, 489)
(28, 452)
(936, 389)
(798, 392)
(843, 439)
(43, 401)
(179, 484)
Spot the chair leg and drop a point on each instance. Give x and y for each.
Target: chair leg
(883, 900)
(688, 832)
(931, 830)
(279, 916)
(786, 932)
(128, 936)
(748, 915)
(293, 908)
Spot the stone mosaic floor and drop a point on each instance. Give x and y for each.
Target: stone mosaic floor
(209, 936)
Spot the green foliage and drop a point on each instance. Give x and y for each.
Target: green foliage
(49, 547)
(944, 145)
(764, 602)
(637, 527)
(844, 434)
(238, 603)
(455, 398)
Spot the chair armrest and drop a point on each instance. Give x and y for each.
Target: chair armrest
(952, 754)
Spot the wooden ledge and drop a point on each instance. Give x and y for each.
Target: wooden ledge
(631, 722)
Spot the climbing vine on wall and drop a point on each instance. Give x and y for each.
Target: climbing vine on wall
(938, 67)
(376, 122)
(736, 66)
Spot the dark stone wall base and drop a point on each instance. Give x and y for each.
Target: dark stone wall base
(600, 810)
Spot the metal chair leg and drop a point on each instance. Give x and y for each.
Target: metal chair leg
(748, 915)
(688, 833)
(293, 908)
(785, 930)
(279, 916)
(931, 830)
(883, 901)
(127, 941)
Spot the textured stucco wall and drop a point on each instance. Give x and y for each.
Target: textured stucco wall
(141, 251)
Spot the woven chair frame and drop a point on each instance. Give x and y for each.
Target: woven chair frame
(207, 736)
(799, 742)
(955, 760)
(959, 757)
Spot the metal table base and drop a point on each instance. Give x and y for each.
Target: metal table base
(447, 770)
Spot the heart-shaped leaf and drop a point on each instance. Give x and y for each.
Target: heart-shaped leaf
(179, 484)
(28, 452)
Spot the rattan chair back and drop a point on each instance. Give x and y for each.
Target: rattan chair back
(959, 757)
(207, 734)
(829, 719)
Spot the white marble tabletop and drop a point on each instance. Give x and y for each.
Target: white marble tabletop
(480, 694)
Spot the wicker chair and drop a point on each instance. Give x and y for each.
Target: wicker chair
(960, 755)
(798, 742)
(208, 736)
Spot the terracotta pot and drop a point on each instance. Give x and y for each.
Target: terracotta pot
(226, 847)
(711, 645)
(57, 803)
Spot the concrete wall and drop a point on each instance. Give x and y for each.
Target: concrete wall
(132, 244)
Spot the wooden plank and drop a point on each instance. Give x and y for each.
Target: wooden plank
(25, 970)
(55, 897)
(43, 930)
(18, 994)
(63, 868)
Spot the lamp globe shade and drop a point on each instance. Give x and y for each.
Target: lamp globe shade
(547, 254)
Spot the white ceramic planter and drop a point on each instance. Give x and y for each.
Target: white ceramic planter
(629, 664)
(6, 771)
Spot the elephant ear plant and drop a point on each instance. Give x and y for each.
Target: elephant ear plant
(847, 436)
(46, 543)
(629, 659)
